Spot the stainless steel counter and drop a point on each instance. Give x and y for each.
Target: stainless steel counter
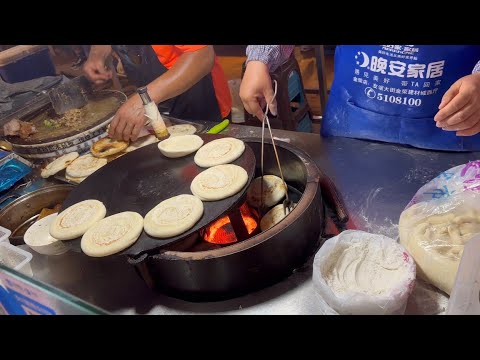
(375, 180)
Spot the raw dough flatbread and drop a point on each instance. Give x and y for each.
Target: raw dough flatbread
(274, 190)
(141, 142)
(112, 234)
(178, 146)
(85, 165)
(219, 182)
(59, 164)
(220, 151)
(436, 241)
(182, 129)
(273, 217)
(173, 216)
(75, 220)
(77, 180)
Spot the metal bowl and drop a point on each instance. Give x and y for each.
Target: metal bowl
(23, 212)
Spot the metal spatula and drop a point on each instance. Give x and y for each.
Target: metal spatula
(67, 96)
(465, 297)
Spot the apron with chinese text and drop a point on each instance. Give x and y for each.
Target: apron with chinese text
(391, 93)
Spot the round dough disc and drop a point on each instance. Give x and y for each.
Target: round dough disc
(143, 141)
(112, 234)
(178, 146)
(59, 164)
(182, 129)
(85, 165)
(107, 146)
(75, 220)
(219, 182)
(274, 190)
(273, 217)
(173, 216)
(220, 151)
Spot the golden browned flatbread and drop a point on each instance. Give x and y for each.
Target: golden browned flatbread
(107, 146)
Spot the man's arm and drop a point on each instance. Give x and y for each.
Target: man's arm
(189, 69)
(256, 88)
(95, 68)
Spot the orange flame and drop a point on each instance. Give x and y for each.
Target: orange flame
(221, 231)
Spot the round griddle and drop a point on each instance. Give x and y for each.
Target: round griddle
(141, 179)
(104, 102)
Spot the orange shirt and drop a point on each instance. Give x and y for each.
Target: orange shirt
(169, 54)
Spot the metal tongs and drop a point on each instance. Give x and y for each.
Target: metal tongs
(287, 203)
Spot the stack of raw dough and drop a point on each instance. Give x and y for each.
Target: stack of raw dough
(436, 236)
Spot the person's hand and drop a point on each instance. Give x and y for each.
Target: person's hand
(256, 89)
(96, 71)
(460, 107)
(128, 121)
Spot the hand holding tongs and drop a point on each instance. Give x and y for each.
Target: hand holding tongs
(287, 203)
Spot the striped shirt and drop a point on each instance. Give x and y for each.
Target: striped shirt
(271, 55)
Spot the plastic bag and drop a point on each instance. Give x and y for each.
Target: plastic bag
(371, 291)
(442, 216)
(11, 171)
(237, 104)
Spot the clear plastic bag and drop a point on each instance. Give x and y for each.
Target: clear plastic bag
(459, 179)
(435, 232)
(391, 299)
(442, 216)
(237, 104)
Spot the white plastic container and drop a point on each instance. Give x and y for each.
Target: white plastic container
(358, 273)
(4, 234)
(38, 237)
(15, 258)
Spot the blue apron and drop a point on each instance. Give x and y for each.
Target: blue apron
(391, 93)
